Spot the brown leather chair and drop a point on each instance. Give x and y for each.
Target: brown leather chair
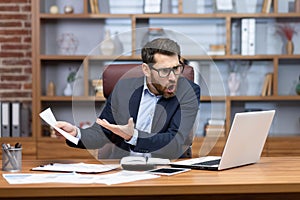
(114, 72)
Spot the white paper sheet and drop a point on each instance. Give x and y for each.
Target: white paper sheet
(74, 178)
(76, 167)
(48, 117)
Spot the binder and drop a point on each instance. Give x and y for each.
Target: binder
(248, 36)
(244, 36)
(236, 37)
(251, 36)
(0, 119)
(5, 119)
(16, 129)
(26, 121)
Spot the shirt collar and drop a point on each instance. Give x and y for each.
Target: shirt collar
(147, 90)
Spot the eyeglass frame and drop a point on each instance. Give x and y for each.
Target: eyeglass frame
(170, 70)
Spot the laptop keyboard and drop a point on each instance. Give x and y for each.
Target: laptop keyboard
(210, 162)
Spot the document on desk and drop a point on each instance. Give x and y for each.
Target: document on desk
(76, 167)
(48, 117)
(74, 178)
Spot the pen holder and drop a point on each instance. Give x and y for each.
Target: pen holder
(12, 159)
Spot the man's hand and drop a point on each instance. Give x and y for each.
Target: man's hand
(69, 128)
(124, 131)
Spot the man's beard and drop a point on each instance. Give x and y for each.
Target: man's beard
(162, 90)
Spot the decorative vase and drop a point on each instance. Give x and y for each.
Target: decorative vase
(51, 89)
(118, 46)
(68, 90)
(289, 47)
(107, 46)
(234, 81)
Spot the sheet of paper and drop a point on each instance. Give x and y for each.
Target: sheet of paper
(74, 178)
(76, 167)
(48, 117)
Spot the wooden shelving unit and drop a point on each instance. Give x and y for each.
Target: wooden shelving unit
(42, 21)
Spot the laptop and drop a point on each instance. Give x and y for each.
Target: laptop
(244, 144)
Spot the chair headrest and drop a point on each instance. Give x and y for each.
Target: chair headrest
(112, 73)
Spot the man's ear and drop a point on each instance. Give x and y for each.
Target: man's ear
(146, 69)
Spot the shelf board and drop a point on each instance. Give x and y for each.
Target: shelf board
(114, 57)
(189, 57)
(241, 57)
(168, 15)
(249, 98)
(63, 57)
(212, 98)
(83, 16)
(218, 15)
(90, 57)
(203, 98)
(263, 15)
(72, 98)
(18, 139)
(295, 56)
(264, 98)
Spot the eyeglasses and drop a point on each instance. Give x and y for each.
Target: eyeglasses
(164, 72)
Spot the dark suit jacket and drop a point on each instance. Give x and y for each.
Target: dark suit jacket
(171, 134)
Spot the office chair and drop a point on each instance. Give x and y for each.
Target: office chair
(112, 73)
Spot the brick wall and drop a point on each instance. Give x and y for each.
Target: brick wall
(15, 50)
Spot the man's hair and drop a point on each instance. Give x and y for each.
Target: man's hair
(163, 46)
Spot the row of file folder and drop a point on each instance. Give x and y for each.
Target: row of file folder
(14, 120)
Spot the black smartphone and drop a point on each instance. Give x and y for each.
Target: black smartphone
(168, 171)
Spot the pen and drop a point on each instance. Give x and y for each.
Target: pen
(11, 158)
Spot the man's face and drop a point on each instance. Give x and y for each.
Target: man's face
(165, 86)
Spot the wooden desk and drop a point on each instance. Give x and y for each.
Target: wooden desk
(271, 178)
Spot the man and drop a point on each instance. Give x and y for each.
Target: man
(151, 115)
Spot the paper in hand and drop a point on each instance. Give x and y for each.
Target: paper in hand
(48, 117)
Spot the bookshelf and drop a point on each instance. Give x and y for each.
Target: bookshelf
(201, 25)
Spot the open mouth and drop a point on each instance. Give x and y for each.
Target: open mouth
(171, 89)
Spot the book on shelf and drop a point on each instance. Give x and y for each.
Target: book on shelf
(94, 5)
(266, 7)
(216, 122)
(267, 86)
(214, 128)
(216, 49)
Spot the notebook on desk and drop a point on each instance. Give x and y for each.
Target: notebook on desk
(244, 144)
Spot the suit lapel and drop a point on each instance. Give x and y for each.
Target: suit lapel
(162, 111)
(135, 99)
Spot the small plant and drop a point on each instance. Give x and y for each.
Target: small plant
(72, 76)
(286, 30)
